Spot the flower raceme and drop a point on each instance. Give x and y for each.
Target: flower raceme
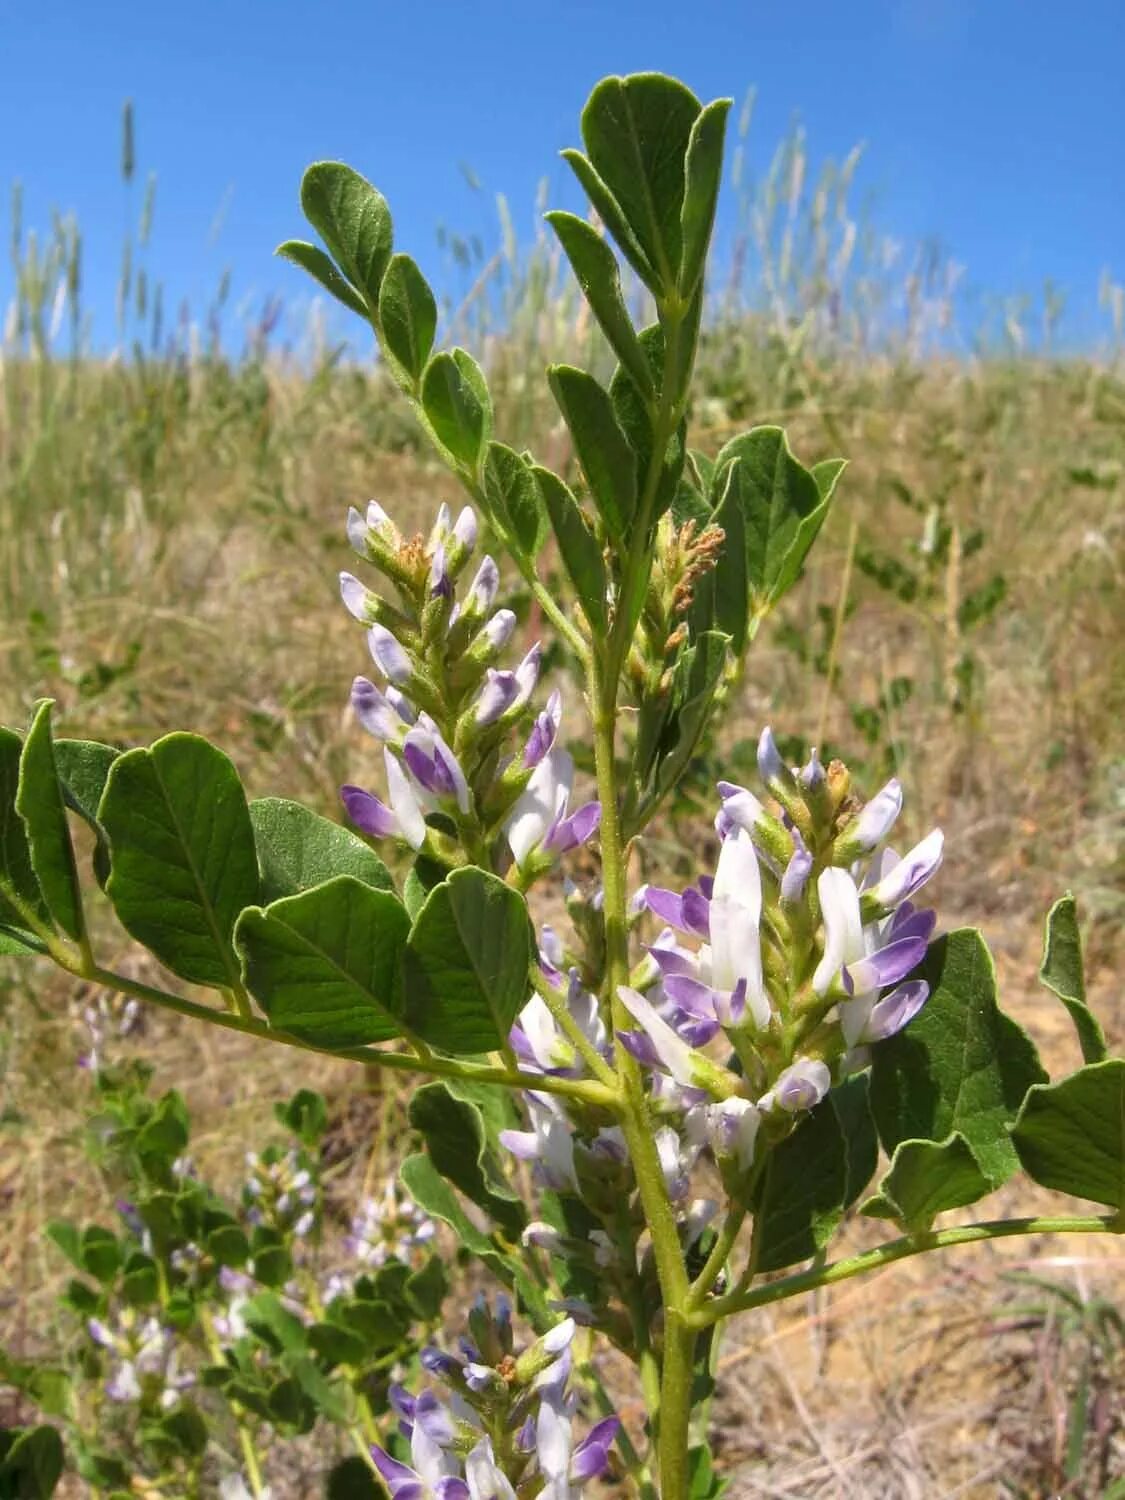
(446, 713)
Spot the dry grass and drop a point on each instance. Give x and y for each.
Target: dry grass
(169, 545)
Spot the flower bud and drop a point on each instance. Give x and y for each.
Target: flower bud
(359, 601)
(872, 825)
(802, 1085)
(544, 1352)
(496, 697)
(389, 655)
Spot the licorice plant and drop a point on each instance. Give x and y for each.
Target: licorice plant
(637, 1122)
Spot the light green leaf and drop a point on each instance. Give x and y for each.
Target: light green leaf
(83, 767)
(456, 404)
(1070, 1136)
(298, 849)
(609, 212)
(455, 1138)
(927, 1178)
(407, 316)
(581, 555)
(183, 863)
(595, 267)
(961, 1065)
(514, 499)
(322, 268)
(465, 969)
(704, 172)
(39, 802)
(636, 131)
(19, 889)
(431, 1192)
(353, 220)
(325, 965)
(608, 462)
(1063, 974)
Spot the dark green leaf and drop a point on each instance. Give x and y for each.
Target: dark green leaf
(782, 508)
(1070, 1136)
(595, 267)
(31, 1463)
(609, 212)
(353, 220)
(961, 1065)
(66, 1237)
(814, 1175)
(636, 130)
(423, 876)
(455, 1138)
(352, 1479)
(322, 268)
(455, 400)
(183, 863)
(514, 499)
(298, 849)
(306, 1115)
(39, 802)
(927, 1178)
(608, 462)
(704, 172)
(581, 555)
(19, 889)
(705, 664)
(426, 1289)
(100, 1253)
(324, 965)
(407, 316)
(83, 767)
(1063, 974)
(466, 965)
(336, 1345)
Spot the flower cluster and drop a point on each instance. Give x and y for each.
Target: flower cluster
(797, 952)
(502, 1426)
(281, 1191)
(464, 749)
(143, 1358)
(391, 1227)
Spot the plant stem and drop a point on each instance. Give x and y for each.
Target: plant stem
(587, 1089)
(902, 1249)
(675, 1404)
(556, 1004)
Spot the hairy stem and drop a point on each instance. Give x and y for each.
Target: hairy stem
(902, 1249)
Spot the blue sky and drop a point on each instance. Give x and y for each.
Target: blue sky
(997, 125)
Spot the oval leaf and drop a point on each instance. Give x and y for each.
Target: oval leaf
(466, 965)
(581, 555)
(961, 1065)
(455, 1138)
(608, 462)
(595, 268)
(456, 405)
(324, 965)
(83, 767)
(39, 802)
(407, 316)
(298, 849)
(353, 220)
(514, 499)
(322, 268)
(183, 863)
(928, 1178)
(1070, 1136)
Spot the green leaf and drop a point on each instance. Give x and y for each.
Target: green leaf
(39, 802)
(636, 131)
(424, 874)
(100, 1253)
(927, 1178)
(581, 555)
(353, 220)
(1063, 974)
(704, 173)
(83, 768)
(31, 1462)
(1070, 1136)
(455, 1138)
(305, 1114)
(66, 1237)
(322, 268)
(431, 1192)
(352, 1479)
(426, 1289)
(465, 968)
(608, 462)
(609, 212)
(782, 507)
(407, 316)
(595, 267)
(705, 663)
(456, 402)
(298, 849)
(324, 965)
(815, 1175)
(961, 1065)
(15, 943)
(19, 889)
(183, 863)
(514, 499)
(722, 596)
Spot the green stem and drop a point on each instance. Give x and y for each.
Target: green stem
(720, 1253)
(902, 1249)
(675, 1404)
(589, 1090)
(559, 1009)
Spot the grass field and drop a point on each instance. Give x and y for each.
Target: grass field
(170, 530)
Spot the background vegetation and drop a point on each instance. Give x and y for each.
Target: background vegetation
(171, 522)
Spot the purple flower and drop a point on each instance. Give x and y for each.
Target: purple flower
(433, 766)
(384, 716)
(359, 601)
(539, 823)
(389, 656)
(902, 878)
(496, 697)
(802, 1085)
(483, 589)
(544, 731)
